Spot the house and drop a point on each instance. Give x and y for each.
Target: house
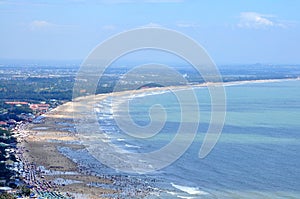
(11, 122)
(3, 123)
(5, 190)
(39, 107)
(16, 103)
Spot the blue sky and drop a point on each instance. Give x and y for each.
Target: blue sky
(253, 31)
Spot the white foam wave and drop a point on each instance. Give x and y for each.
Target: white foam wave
(132, 146)
(97, 110)
(171, 193)
(235, 83)
(185, 197)
(190, 190)
(149, 93)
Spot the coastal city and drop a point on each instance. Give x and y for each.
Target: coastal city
(19, 122)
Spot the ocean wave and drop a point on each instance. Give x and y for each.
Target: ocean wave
(185, 197)
(189, 190)
(132, 146)
(148, 93)
(259, 81)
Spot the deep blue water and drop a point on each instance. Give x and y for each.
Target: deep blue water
(257, 155)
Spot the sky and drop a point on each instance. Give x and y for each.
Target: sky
(232, 32)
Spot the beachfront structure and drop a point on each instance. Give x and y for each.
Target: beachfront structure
(5, 190)
(17, 103)
(39, 107)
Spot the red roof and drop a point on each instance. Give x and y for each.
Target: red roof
(39, 106)
(15, 103)
(43, 105)
(3, 123)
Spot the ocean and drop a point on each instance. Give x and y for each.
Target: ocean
(257, 155)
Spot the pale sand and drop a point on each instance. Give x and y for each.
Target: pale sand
(45, 153)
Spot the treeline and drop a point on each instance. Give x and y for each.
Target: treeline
(13, 112)
(39, 89)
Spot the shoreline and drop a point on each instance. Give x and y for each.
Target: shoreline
(191, 86)
(55, 130)
(46, 165)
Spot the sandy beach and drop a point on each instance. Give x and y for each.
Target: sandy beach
(39, 152)
(40, 148)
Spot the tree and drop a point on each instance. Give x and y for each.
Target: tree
(25, 191)
(7, 196)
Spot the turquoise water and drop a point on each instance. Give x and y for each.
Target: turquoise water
(257, 155)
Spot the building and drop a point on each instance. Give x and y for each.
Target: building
(17, 103)
(40, 107)
(3, 123)
(5, 190)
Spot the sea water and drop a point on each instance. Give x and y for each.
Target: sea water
(257, 155)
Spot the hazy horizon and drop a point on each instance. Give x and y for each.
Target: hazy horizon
(241, 32)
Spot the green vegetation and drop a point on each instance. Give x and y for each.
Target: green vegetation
(6, 142)
(24, 190)
(36, 89)
(21, 191)
(7, 196)
(13, 112)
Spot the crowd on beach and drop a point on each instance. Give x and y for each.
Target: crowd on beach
(124, 186)
(33, 177)
(128, 186)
